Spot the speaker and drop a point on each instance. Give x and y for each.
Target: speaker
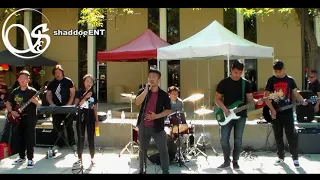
(309, 140)
(45, 134)
(305, 114)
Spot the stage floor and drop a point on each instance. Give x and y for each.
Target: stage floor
(109, 162)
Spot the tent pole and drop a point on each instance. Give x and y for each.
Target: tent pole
(209, 85)
(142, 73)
(228, 64)
(197, 75)
(158, 68)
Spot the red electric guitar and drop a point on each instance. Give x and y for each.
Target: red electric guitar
(19, 108)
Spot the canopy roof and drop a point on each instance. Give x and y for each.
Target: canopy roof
(142, 48)
(6, 57)
(215, 41)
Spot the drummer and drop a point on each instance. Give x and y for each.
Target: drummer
(176, 102)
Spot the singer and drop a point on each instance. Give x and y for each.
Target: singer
(88, 117)
(157, 106)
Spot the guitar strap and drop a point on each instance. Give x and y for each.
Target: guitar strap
(243, 88)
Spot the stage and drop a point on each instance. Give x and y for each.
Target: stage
(109, 162)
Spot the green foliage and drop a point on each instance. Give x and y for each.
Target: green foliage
(96, 16)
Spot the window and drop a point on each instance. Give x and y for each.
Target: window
(101, 45)
(173, 36)
(250, 33)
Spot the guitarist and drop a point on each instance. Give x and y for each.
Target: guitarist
(284, 119)
(229, 90)
(26, 129)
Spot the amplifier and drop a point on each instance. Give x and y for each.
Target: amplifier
(45, 134)
(309, 140)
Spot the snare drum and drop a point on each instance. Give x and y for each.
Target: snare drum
(178, 122)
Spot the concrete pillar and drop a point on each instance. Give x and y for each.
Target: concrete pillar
(27, 22)
(240, 32)
(163, 34)
(316, 21)
(91, 54)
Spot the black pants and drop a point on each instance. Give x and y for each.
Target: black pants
(26, 137)
(89, 122)
(285, 121)
(57, 120)
(160, 138)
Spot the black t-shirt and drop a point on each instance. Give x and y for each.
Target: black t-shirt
(232, 91)
(19, 97)
(314, 87)
(60, 90)
(286, 85)
(88, 105)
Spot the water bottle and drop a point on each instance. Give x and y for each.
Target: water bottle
(294, 117)
(97, 130)
(123, 116)
(109, 115)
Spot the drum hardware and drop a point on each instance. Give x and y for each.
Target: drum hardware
(193, 98)
(178, 121)
(131, 144)
(203, 139)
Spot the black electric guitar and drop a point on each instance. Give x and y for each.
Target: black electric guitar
(267, 113)
(19, 108)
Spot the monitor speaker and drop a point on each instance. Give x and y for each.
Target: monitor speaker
(305, 114)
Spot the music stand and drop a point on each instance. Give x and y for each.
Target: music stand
(132, 144)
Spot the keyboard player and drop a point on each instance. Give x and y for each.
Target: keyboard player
(61, 92)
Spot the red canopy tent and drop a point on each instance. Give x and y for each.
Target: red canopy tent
(142, 48)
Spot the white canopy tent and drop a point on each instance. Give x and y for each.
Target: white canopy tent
(216, 43)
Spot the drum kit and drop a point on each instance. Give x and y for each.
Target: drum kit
(176, 127)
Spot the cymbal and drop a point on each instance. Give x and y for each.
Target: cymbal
(203, 111)
(128, 96)
(194, 97)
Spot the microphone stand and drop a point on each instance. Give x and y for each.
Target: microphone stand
(80, 120)
(142, 131)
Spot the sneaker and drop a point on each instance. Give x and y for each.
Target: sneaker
(55, 148)
(224, 165)
(75, 148)
(92, 162)
(235, 165)
(296, 163)
(30, 164)
(278, 162)
(165, 172)
(19, 161)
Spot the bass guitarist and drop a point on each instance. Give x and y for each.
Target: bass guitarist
(26, 128)
(230, 90)
(283, 119)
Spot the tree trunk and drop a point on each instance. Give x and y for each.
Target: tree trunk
(310, 38)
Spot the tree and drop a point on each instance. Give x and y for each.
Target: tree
(305, 17)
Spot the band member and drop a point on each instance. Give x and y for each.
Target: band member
(284, 119)
(314, 86)
(88, 116)
(61, 92)
(176, 102)
(3, 91)
(157, 107)
(26, 129)
(229, 90)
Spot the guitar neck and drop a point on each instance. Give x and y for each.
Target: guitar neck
(244, 107)
(28, 102)
(290, 106)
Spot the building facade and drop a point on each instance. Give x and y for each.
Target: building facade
(77, 54)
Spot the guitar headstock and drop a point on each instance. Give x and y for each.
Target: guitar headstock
(313, 99)
(42, 89)
(276, 95)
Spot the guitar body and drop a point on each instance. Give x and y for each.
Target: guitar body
(14, 120)
(222, 119)
(266, 114)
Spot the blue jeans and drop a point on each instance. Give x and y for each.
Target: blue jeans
(225, 132)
